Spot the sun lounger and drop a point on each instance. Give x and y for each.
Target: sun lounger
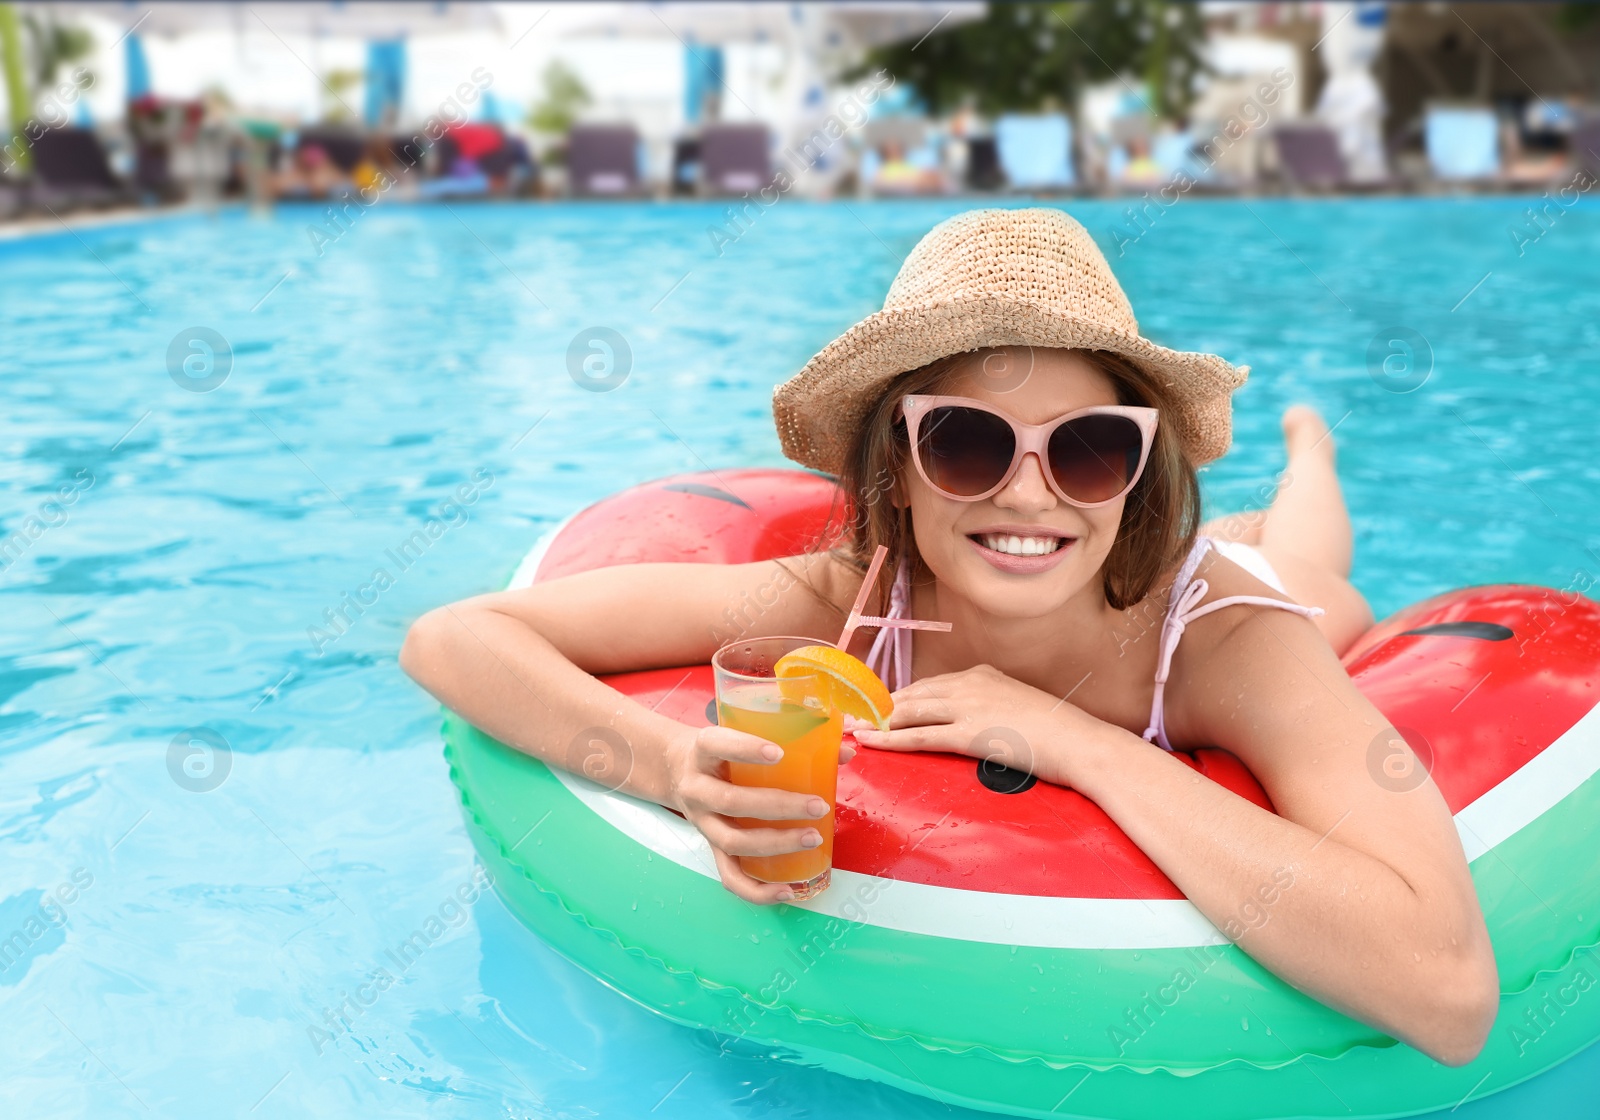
(1463, 143)
(344, 148)
(603, 160)
(1309, 155)
(734, 158)
(12, 198)
(70, 170)
(1035, 151)
(1585, 143)
(457, 177)
(512, 163)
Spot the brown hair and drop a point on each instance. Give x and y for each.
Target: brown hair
(1160, 517)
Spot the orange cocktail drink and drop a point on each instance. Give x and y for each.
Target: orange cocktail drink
(798, 713)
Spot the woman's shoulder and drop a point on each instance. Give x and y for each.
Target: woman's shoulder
(1244, 652)
(1212, 578)
(1225, 578)
(824, 582)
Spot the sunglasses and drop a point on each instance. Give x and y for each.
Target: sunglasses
(968, 450)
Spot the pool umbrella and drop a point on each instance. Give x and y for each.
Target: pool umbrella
(385, 79)
(138, 67)
(705, 72)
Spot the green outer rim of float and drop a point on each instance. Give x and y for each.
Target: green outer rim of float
(908, 1009)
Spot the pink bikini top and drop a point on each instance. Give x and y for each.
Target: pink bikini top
(890, 656)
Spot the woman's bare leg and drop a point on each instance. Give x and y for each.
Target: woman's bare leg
(1307, 537)
(1305, 534)
(1308, 517)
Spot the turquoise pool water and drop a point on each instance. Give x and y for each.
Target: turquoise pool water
(224, 902)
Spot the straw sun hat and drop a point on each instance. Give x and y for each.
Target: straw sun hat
(1029, 277)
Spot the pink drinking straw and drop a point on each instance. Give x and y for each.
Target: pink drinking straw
(858, 619)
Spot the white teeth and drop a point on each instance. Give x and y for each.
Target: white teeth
(1020, 546)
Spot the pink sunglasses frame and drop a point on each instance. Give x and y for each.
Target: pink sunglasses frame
(1033, 438)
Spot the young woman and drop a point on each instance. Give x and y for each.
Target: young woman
(1030, 460)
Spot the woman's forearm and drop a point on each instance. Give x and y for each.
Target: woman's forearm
(510, 681)
(1332, 921)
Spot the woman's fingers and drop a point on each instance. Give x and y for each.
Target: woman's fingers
(718, 796)
(723, 744)
(736, 841)
(913, 713)
(932, 737)
(751, 890)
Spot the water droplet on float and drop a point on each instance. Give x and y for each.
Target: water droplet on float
(1244, 1024)
(1416, 956)
(636, 905)
(754, 940)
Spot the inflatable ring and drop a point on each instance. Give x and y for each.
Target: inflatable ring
(1004, 946)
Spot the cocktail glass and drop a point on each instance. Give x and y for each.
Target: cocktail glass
(797, 713)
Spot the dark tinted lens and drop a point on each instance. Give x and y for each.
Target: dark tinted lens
(1094, 457)
(964, 451)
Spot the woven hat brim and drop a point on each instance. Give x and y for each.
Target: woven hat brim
(819, 409)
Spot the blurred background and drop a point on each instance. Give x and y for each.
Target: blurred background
(124, 104)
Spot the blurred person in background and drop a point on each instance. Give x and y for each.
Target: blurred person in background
(898, 174)
(1139, 169)
(310, 174)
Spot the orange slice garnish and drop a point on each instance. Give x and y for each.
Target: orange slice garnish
(849, 685)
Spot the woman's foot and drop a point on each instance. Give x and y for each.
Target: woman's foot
(1308, 516)
(1305, 432)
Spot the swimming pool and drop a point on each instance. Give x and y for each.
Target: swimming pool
(207, 577)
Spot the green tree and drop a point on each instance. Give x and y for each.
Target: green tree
(564, 95)
(33, 49)
(53, 44)
(339, 82)
(1030, 56)
(18, 99)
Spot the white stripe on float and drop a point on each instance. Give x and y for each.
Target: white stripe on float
(523, 576)
(948, 912)
(1063, 923)
(1533, 790)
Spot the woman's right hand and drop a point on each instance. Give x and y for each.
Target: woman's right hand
(700, 790)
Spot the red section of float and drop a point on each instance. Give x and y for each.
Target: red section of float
(1495, 675)
(1476, 709)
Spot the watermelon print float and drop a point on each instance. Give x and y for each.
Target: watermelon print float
(1001, 944)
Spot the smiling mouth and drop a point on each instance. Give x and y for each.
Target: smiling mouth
(1013, 545)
